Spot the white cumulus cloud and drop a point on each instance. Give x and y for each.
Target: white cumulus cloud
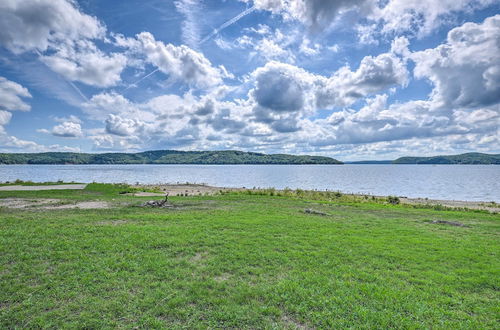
(180, 63)
(84, 62)
(465, 70)
(67, 129)
(11, 96)
(36, 24)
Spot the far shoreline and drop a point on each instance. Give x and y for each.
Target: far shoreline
(173, 188)
(196, 189)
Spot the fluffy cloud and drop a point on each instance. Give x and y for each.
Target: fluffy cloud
(236, 124)
(269, 49)
(373, 75)
(11, 95)
(377, 122)
(451, 144)
(285, 88)
(103, 104)
(465, 71)
(36, 24)
(63, 37)
(281, 87)
(205, 108)
(122, 126)
(181, 63)
(285, 95)
(165, 121)
(420, 16)
(67, 129)
(392, 16)
(267, 45)
(313, 13)
(464, 101)
(10, 143)
(84, 62)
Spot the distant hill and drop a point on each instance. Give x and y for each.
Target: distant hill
(468, 158)
(162, 157)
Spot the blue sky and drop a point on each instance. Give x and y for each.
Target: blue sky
(362, 79)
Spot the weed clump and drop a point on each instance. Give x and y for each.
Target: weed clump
(394, 200)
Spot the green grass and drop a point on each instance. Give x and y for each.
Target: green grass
(242, 260)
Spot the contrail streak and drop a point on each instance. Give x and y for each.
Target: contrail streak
(228, 23)
(77, 90)
(138, 81)
(66, 80)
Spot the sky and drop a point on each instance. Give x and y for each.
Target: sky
(350, 79)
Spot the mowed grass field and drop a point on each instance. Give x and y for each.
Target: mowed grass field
(245, 261)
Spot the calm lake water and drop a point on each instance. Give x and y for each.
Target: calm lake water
(459, 182)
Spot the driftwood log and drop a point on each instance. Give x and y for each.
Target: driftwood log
(162, 203)
(311, 211)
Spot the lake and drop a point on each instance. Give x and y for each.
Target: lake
(450, 182)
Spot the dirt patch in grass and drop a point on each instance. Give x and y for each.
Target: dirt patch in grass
(112, 222)
(50, 204)
(198, 258)
(80, 205)
(292, 323)
(21, 203)
(222, 278)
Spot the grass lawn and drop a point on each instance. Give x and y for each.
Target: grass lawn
(245, 261)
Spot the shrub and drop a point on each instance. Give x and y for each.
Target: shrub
(394, 200)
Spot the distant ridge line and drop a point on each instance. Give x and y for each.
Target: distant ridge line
(471, 158)
(225, 157)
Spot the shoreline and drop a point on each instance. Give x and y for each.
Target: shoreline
(192, 189)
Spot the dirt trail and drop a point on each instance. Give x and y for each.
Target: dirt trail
(46, 187)
(50, 204)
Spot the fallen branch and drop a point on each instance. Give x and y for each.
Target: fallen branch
(311, 211)
(451, 223)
